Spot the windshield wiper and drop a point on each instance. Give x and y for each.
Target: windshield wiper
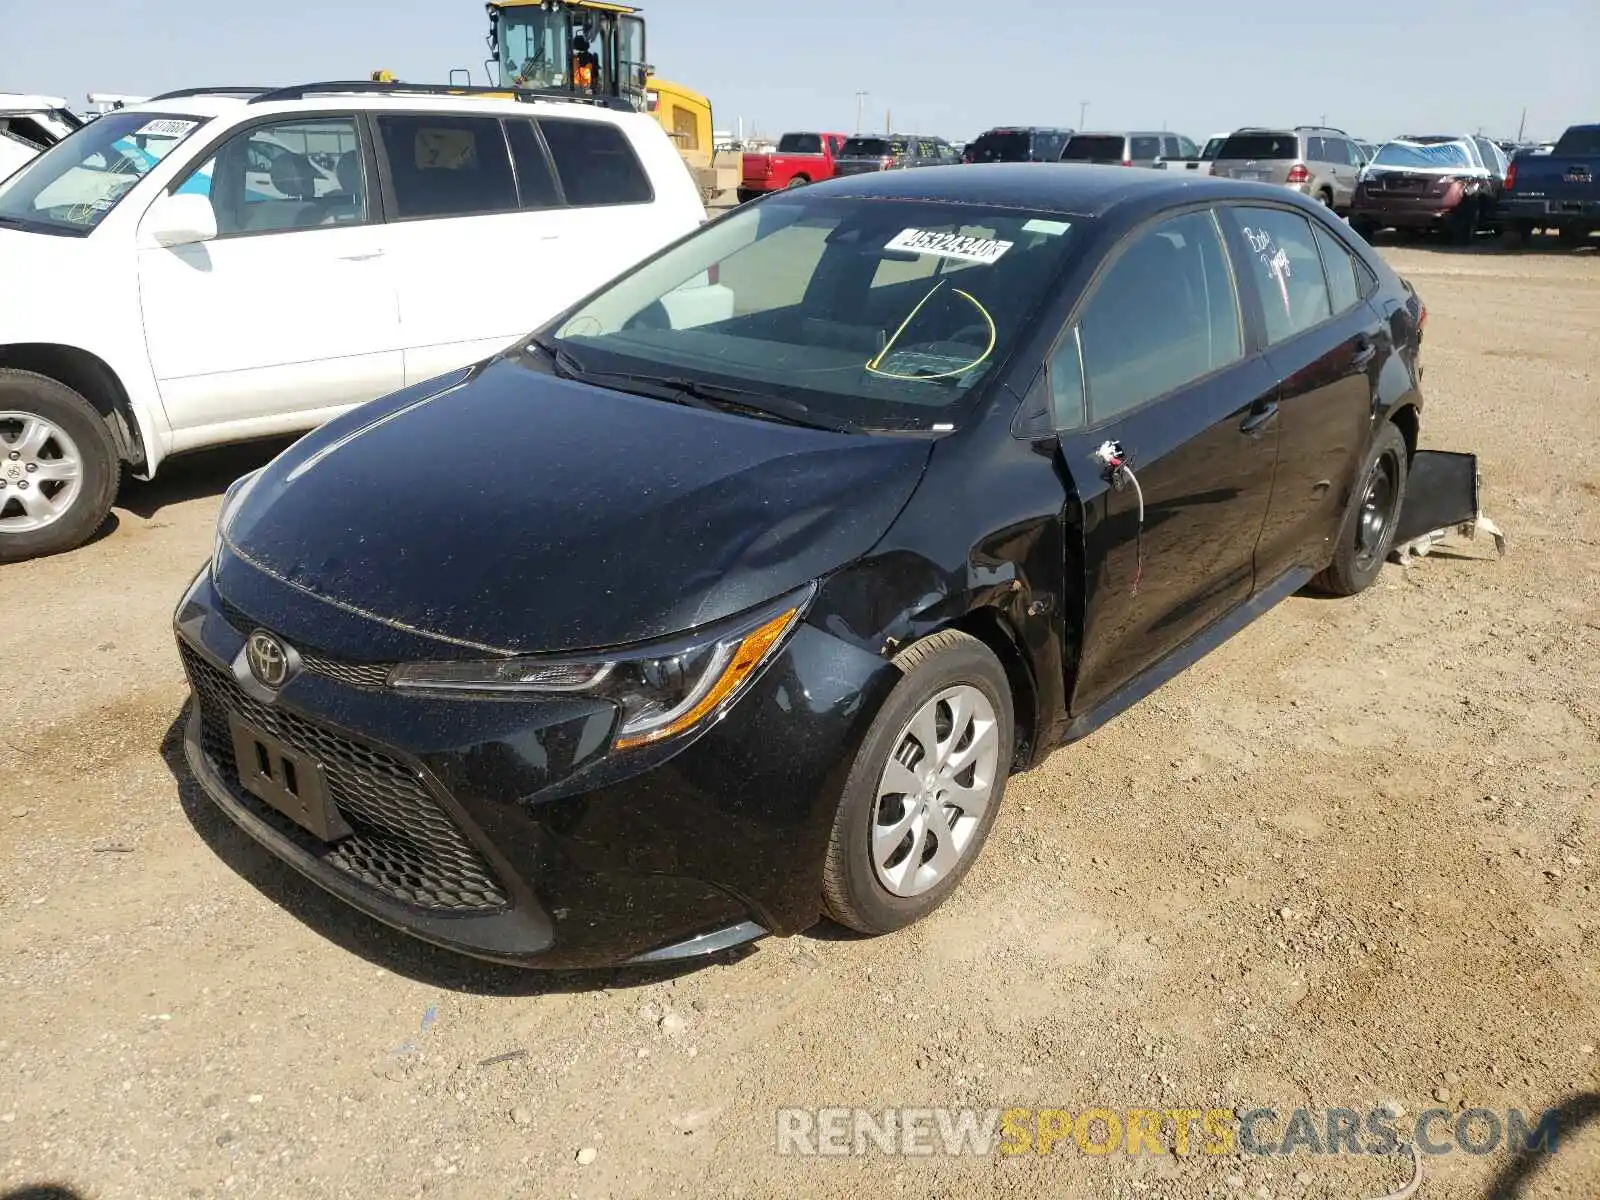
(709, 397)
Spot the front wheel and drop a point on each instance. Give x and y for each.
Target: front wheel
(1367, 533)
(925, 787)
(58, 467)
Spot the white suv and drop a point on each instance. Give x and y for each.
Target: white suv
(214, 266)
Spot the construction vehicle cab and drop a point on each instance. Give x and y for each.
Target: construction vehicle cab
(583, 47)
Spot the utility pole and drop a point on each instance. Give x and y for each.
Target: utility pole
(860, 102)
(888, 122)
(1083, 112)
(1522, 125)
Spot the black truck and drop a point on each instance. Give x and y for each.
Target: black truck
(1559, 190)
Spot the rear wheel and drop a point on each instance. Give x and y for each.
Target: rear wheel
(798, 181)
(58, 467)
(924, 789)
(1365, 227)
(1463, 223)
(1573, 235)
(1367, 533)
(1325, 198)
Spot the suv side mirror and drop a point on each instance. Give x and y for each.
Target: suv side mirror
(182, 220)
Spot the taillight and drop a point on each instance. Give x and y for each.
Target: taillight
(1299, 174)
(886, 161)
(1511, 177)
(1127, 162)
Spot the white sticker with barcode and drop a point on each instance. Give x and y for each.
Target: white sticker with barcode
(166, 128)
(949, 245)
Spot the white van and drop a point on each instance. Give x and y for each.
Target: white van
(256, 262)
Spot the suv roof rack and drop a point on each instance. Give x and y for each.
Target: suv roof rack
(185, 93)
(1321, 129)
(367, 87)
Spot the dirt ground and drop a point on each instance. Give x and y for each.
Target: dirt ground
(1353, 857)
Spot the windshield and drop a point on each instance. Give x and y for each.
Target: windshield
(1425, 157)
(1012, 146)
(800, 143)
(870, 147)
(1258, 146)
(1096, 148)
(1210, 152)
(876, 313)
(73, 185)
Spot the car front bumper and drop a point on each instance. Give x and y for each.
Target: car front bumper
(507, 829)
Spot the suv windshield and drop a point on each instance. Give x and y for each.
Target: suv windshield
(800, 143)
(1418, 155)
(873, 313)
(867, 147)
(1096, 148)
(1009, 146)
(74, 184)
(1260, 146)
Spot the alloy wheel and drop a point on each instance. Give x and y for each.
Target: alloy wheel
(935, 790)
(41, 472)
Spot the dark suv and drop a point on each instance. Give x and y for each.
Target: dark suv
(1032, 144)
(866, 153)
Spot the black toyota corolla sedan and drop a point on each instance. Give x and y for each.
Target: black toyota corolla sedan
(707, 611)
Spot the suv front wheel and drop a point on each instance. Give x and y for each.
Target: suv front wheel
(58, 467)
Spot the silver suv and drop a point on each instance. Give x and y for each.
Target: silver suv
(1314, 160)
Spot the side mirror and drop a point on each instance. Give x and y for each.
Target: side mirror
(182, 220)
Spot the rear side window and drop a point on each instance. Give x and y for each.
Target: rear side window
(1260, 146)
(1145, 148)
(447, 166)
(1317, 150)
(596, 164)
(800, 143)
(1164, 315)
(1093, 148)
(1285, 270)
(1345, 275)
(536, 186)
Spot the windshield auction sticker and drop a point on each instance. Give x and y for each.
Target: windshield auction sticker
(949, 245)
(164, 129)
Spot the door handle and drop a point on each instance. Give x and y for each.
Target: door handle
(1256, 423)
(1365, 353)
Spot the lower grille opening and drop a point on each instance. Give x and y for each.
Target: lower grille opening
(404, 846)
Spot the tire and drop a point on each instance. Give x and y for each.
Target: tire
(745, 195)
(1325, 198)
(1573, 235)
(797, 181)
(1365, 228)
(73, 433)
(1463, 224)
(1361, 549)
(856, 891)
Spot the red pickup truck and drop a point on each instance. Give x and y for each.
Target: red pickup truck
(801, 158)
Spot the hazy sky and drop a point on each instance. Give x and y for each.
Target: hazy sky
(943, 66)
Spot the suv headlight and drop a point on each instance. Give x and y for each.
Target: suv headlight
(231, 500)
(661, 690)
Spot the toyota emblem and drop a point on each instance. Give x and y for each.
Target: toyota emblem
(269, 661)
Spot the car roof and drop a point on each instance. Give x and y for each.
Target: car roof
(22, 100)
(234, 102)
(1070, 189)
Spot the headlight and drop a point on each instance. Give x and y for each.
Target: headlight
(231, 501)
(661, 690)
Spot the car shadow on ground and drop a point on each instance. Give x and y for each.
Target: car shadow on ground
(359, 934)
(43, 1191)
(193, 476)
(1513, 1181)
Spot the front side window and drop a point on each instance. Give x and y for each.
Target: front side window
(1285, 270)
(448, 166)
(286, 176)
(596, 164)
(1164, 315)
(880, 313)
(73, 185)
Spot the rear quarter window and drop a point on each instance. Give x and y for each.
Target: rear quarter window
(596, 164)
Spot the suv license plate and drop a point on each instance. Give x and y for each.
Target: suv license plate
(289, 781)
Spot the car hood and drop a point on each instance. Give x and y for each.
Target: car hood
(512, 511)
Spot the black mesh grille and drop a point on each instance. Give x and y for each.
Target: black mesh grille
(361, 675)
(403, 845)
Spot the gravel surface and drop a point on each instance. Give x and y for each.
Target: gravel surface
(1352, 857)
